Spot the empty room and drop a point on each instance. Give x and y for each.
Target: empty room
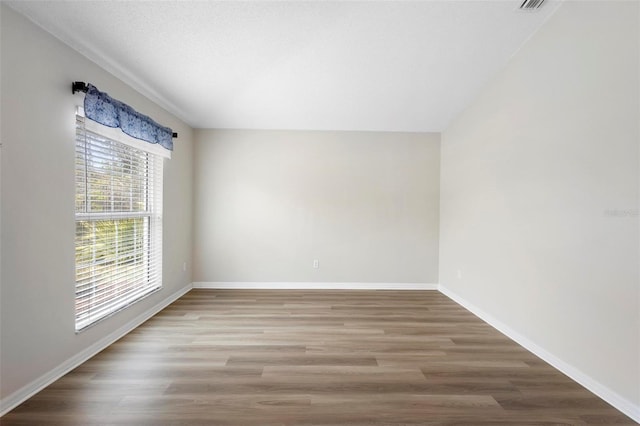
(320, 212)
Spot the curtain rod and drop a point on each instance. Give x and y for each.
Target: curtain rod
(81, 86)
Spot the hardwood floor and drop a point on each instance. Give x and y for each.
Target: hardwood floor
(314, 357)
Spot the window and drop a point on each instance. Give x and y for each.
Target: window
(118, 213)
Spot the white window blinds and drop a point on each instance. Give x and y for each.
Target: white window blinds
(118, 224)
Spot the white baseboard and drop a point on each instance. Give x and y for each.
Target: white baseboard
(624, 405)
(314, 286)
(16, 398)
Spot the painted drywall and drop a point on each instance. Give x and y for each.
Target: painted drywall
(37, 291)
(267, 203)
(539, 194)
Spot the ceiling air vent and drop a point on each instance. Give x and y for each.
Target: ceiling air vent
(531, 4)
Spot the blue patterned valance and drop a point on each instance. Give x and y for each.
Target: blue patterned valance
(102, 108)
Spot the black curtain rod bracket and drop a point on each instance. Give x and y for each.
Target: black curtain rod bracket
(81, 86)
(78, 86)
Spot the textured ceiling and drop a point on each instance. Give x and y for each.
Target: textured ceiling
(323, 65)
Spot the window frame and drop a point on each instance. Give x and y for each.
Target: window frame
(125, 283)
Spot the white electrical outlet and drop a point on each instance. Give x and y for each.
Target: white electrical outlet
(184, 266)
(459, 274)
(316, 264)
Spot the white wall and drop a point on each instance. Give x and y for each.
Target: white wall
(269, 202)
(539, 195)
(37, 292)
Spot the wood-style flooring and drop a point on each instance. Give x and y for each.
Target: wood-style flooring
(314, 358)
